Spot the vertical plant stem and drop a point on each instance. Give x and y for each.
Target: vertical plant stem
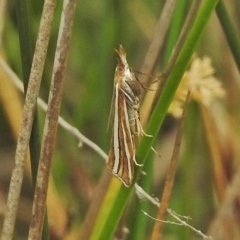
(27, 119)
(229, 30)
(214, 143)
(158, 38)
(177, 48)
(155, 47)
(158, 227)
(183, 35)
(26, 57)
(175, 53)
(51, 121)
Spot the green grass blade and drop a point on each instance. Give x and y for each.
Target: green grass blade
(229, 31)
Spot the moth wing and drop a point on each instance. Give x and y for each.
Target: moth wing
(110, 117)
(122, 151)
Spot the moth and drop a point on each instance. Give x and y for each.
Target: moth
(126, 121)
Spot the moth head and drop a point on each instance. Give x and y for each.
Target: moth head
(122, 61)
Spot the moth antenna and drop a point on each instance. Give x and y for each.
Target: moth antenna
(150, 75)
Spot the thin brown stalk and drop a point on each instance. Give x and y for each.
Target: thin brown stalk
(51, 121)
(154, 49)
(158, 38)
(158, 227)
(27, 119)
(213, 139)
(153, 96)
(178, 47)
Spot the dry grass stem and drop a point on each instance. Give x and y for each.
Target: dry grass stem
(27, 119)
(152, 97)
(51, 121)
(158, 38)
(153, 53)
(178, 47)
(213, 139)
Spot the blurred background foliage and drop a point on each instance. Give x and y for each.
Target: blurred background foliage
(99, 27)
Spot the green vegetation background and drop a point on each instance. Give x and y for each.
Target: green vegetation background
(99, 27)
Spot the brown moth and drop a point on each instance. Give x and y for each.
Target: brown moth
(126, 122)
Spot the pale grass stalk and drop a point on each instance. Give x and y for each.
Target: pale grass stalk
(151, 98)
(180, 42)
(158, 38)
(62, 122)
(27, 119)
(151, 57)
(51, 121)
